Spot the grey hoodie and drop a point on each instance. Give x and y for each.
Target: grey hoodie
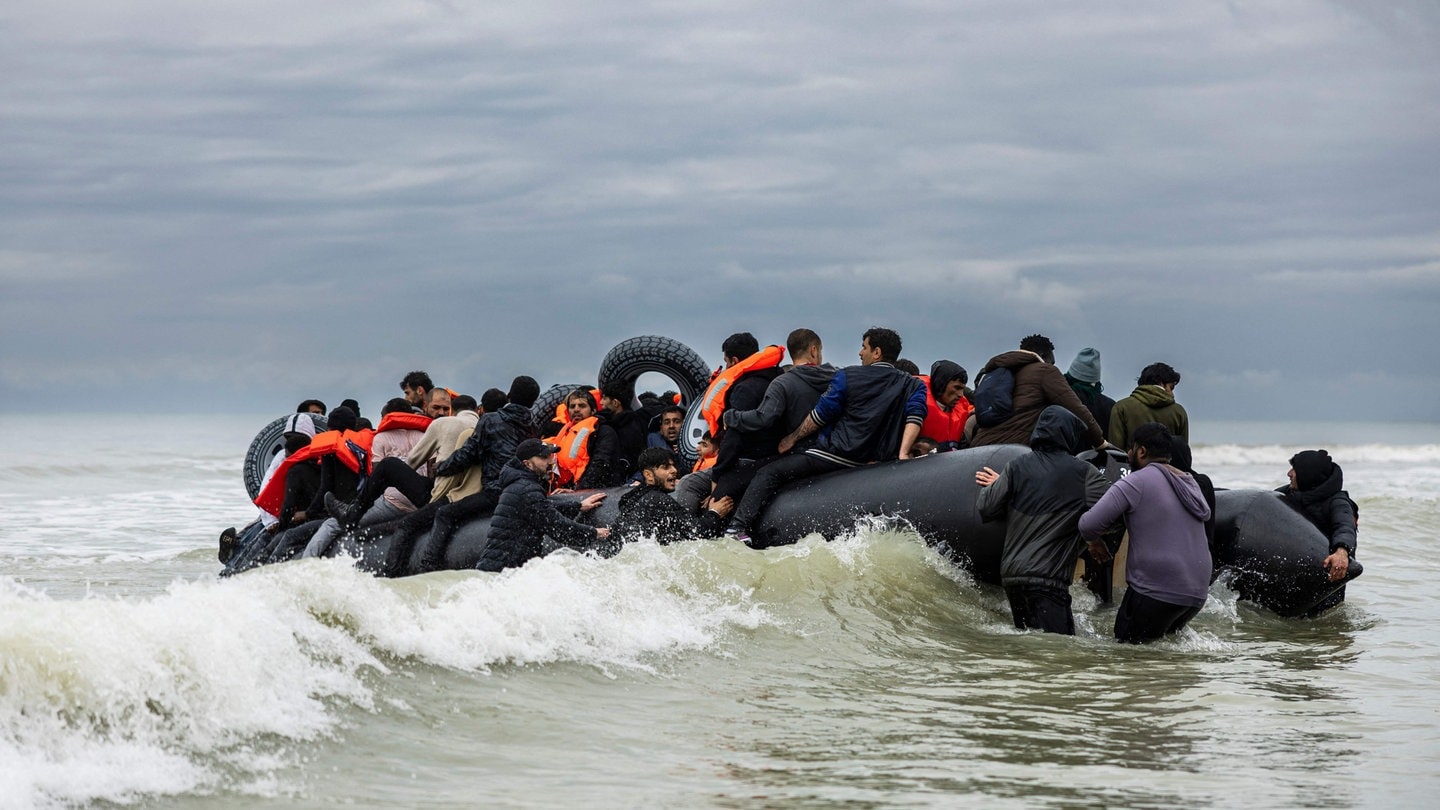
(787, 402)
(1165, 513)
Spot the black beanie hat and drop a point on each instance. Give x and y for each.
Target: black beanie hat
(342, 418)
(1312, 468)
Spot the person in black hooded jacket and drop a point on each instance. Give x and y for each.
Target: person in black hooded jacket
(649, 510)
(1317, 491)
(526, 515)
(1042, 495)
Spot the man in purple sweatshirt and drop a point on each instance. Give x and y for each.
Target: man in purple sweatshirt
(1168, 570)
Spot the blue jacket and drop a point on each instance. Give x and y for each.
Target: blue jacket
(863, 413)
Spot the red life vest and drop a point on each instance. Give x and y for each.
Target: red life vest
(400, 420)
(574, 443)
(331, 442)
(941, 425)
(712, 405)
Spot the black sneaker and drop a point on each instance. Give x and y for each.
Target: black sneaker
(228, 540)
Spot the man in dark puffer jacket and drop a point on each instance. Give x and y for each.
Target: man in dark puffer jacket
(650, 511)
(1042, 496)
(525, 514)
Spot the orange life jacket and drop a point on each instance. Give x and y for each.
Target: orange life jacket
(941, 425)
(562, 413)
(574, 443)
(713, 403)
(705, 463)
(330, 442)
(400, 420)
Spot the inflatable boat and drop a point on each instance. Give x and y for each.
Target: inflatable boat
(1265, 550)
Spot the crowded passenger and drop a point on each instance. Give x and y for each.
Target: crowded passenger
(1153, 400)
(1084, 379)
(871, 412)
(526, 514)
(1035, 384)
(648, 510)
(947, 409)
(415, 386)
(588, 457)
(666, 435)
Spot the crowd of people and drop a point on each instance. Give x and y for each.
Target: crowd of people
(439, 459)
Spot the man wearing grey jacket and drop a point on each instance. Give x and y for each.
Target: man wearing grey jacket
(791, 396)
(1042, 495)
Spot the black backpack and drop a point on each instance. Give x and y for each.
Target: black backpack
(994, 397)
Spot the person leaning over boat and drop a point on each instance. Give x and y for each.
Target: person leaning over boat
(1169, 565)
(1153, 400)
(526, 514)
(1038, 383)
(1316, 490)
(648, 510)
(871, 412)
(1041, 495)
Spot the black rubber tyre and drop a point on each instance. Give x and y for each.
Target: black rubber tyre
(545, 404)
(640, 355)
(267, 443)
(691, 433)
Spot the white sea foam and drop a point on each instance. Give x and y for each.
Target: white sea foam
(113, 699)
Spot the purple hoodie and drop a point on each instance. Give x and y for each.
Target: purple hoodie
(1165, 514)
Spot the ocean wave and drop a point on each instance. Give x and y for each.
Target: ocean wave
(1277, 455)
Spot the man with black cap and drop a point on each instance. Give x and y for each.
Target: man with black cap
(1316, 491)
(525, 514)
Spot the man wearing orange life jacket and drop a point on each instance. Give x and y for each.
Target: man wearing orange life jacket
(749, 370)
(586, 459)
(947, 408)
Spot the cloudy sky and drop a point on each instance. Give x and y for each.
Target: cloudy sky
(232, 206)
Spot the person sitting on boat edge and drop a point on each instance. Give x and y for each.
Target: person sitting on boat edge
(1169, 565)
(790, 396)
(649, 510)
(1041, 495)
(748, 373)
(526, 514)
(1316, 490)
(1038, 383)
(871, 412)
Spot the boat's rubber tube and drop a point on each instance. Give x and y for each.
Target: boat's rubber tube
(1271, 554)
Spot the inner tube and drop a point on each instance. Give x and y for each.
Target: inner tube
(1271, 554)
(655, 353)
(267, 444)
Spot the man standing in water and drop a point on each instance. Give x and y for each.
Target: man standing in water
(1042, 495)
(1168, 569)
(1317, 491)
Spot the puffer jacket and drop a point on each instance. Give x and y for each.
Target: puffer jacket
(524, 516)
(1147, 403)
(1037, 384)
(493, 443)
(1042, 495)
(649, 511)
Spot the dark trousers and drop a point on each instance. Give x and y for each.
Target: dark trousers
(771, 477)
(448, 519)
(1041, 607)
(394, 472)
(736, 480)
(1142, 619)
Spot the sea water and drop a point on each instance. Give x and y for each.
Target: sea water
(862, 672)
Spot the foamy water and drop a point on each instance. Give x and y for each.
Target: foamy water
(860, 671)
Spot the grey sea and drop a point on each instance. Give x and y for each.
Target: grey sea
(864, 672)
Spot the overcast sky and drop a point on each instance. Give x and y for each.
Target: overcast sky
(233, 206)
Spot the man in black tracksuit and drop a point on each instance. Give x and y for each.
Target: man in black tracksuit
(1042, 495)
(649, 510)
(526, 515)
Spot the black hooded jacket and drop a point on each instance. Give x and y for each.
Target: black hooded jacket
(523, 518)
(1329, 507)
(649, 511)
(788, 399)
(1042, 495)
(492, 444)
